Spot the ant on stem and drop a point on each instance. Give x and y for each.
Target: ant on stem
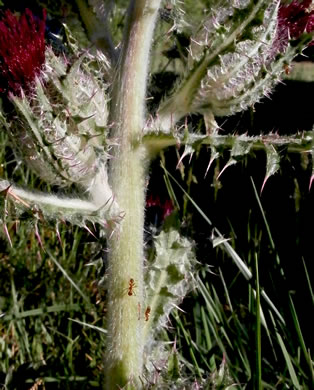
(147, 313)
(131, 287)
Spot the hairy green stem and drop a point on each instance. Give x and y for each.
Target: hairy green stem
(124, 355)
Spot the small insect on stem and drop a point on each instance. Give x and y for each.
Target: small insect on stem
(131, 287)
(147, 313)
(287, 69)
(139, 310)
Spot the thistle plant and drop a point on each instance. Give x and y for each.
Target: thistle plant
(79, 119)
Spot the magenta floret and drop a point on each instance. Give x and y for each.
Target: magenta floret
(22, 50)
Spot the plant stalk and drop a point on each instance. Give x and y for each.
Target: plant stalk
(127, 176)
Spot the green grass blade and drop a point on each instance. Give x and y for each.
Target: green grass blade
(208, 300)
(209, 344)
(308, 281)
(98, 328)
(258, 330)
(189, 342)
(289, 363)
(187, 195)
(41, 311)
(66, 275)
(222, 241)
(272, 243)
(273, 307)
(225, 289)
(300, 337)
(219, 240)
(21, 335)
(233, 254)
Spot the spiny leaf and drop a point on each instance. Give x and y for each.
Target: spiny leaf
(192, 143)
(221, 378)
(173, 365)
(241, 147)
(76, 35)
(213, 157)
(232, 161)
(273, 163)
(169, 276)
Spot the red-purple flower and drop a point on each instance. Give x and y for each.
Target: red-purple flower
(22, 50)
(295, 19)
(165, 207)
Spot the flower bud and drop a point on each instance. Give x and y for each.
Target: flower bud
(60, 116)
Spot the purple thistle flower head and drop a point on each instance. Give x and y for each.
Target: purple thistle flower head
(295, 19)
(22, 50)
